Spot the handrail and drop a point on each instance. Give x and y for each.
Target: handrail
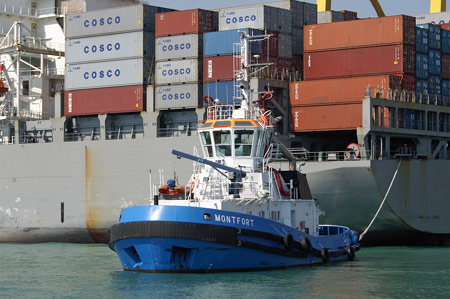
(32, 12)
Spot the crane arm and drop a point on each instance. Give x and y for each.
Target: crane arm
(438, 6)
(376, 5)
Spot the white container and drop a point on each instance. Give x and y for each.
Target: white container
(324, 17)
(120, 19)
(178, 71)
(252, 16)
(106, 74)
(177, 47)
(109, 47)
(177, 96)
(434, 18)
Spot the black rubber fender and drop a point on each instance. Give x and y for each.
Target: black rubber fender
(350, 253)
(288, 241)
(324, 254)
(306, 244)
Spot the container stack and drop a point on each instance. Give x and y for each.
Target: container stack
(179, 57)
(346, 57)
(445, 59)
(109, 56)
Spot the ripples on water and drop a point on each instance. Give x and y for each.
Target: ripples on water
(93, 271)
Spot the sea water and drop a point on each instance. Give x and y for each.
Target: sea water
(58, 270)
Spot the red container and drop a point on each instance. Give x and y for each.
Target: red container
(360, 33)
(343, 90)
(326, 118)
(349, 15)
(360, 62)
(218, 68)
(185, 21)
(121, 99)
(445, 26)
(445, 60)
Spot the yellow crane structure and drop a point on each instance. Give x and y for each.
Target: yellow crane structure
(435, 6)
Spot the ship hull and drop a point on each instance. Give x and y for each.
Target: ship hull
(181, 239)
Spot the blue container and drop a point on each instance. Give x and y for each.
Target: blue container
(220, 43)
(222, 90)
(422, 66)
(421, 40)
(297, 41)
(434, 62)
(407, 118)
(421, 86)
(434, 35)
(445, 88)
(445, 46)
(434, 85)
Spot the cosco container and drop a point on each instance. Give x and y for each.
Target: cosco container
(221, 42)
(178, 96)
(252, 16)
(218, 68)
(120, 99)
(139, 17)
(106, 74)
(329, 16)
(185, 21)
(179, 71)
(360, 62)
(434, 18)
(110, 47)
(360, 33)
(326, 117)
(223, 90)
(179, 46)
(339, 91)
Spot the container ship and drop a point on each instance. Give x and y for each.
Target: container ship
(95, 95)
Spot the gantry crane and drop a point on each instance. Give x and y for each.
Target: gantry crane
(435, 6)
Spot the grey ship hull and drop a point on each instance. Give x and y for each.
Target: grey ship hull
(95, 180)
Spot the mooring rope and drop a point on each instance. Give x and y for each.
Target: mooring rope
(382, 203)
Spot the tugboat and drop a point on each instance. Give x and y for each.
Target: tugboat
(238, 214)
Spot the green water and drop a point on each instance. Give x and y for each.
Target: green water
(93, 271)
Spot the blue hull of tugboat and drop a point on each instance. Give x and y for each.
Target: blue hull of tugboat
(192, 239)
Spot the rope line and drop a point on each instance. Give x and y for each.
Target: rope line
(382, 203)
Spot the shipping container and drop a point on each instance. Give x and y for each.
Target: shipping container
(434, 62)
(360, 33)
(422, 86)
(326, 117)
(110, 47)
(178, 96)
(434, 85)
(445, 26)
(296, 8)
(445, 45)
(224, 91)
(179, 71)
(360, 61)
(185, 21)
(421, 40)
(284, 45)
(252, 16)
(284, 20)
(139, 17)
(329, 16)
(297, 41)
(445, 65)
(122, 99)
(349, 15)
(434, 18)
(422, 66)
(309, 13)
(221, 42)
(339, 91)
(445, 88)
(434, 35)
(218, 68)
(106, 74)
(178, 47)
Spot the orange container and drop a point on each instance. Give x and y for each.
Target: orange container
(360, 33)
(185, 21)
(326, 117)
(339, 91)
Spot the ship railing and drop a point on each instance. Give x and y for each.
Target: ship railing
(219, 112)
(177, 129)
(30, 11)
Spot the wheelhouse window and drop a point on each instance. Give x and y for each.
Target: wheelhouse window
(206, 143)
(222, 140)
(243, 143)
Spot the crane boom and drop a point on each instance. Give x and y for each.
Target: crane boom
(438, 6)
(376, 5)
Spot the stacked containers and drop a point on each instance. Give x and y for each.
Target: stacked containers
(350, 56)
(178, 54)
(107, 54)
(434, 59)
(218, 62)
(330, 16)
(422, 50)
(445, 60)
